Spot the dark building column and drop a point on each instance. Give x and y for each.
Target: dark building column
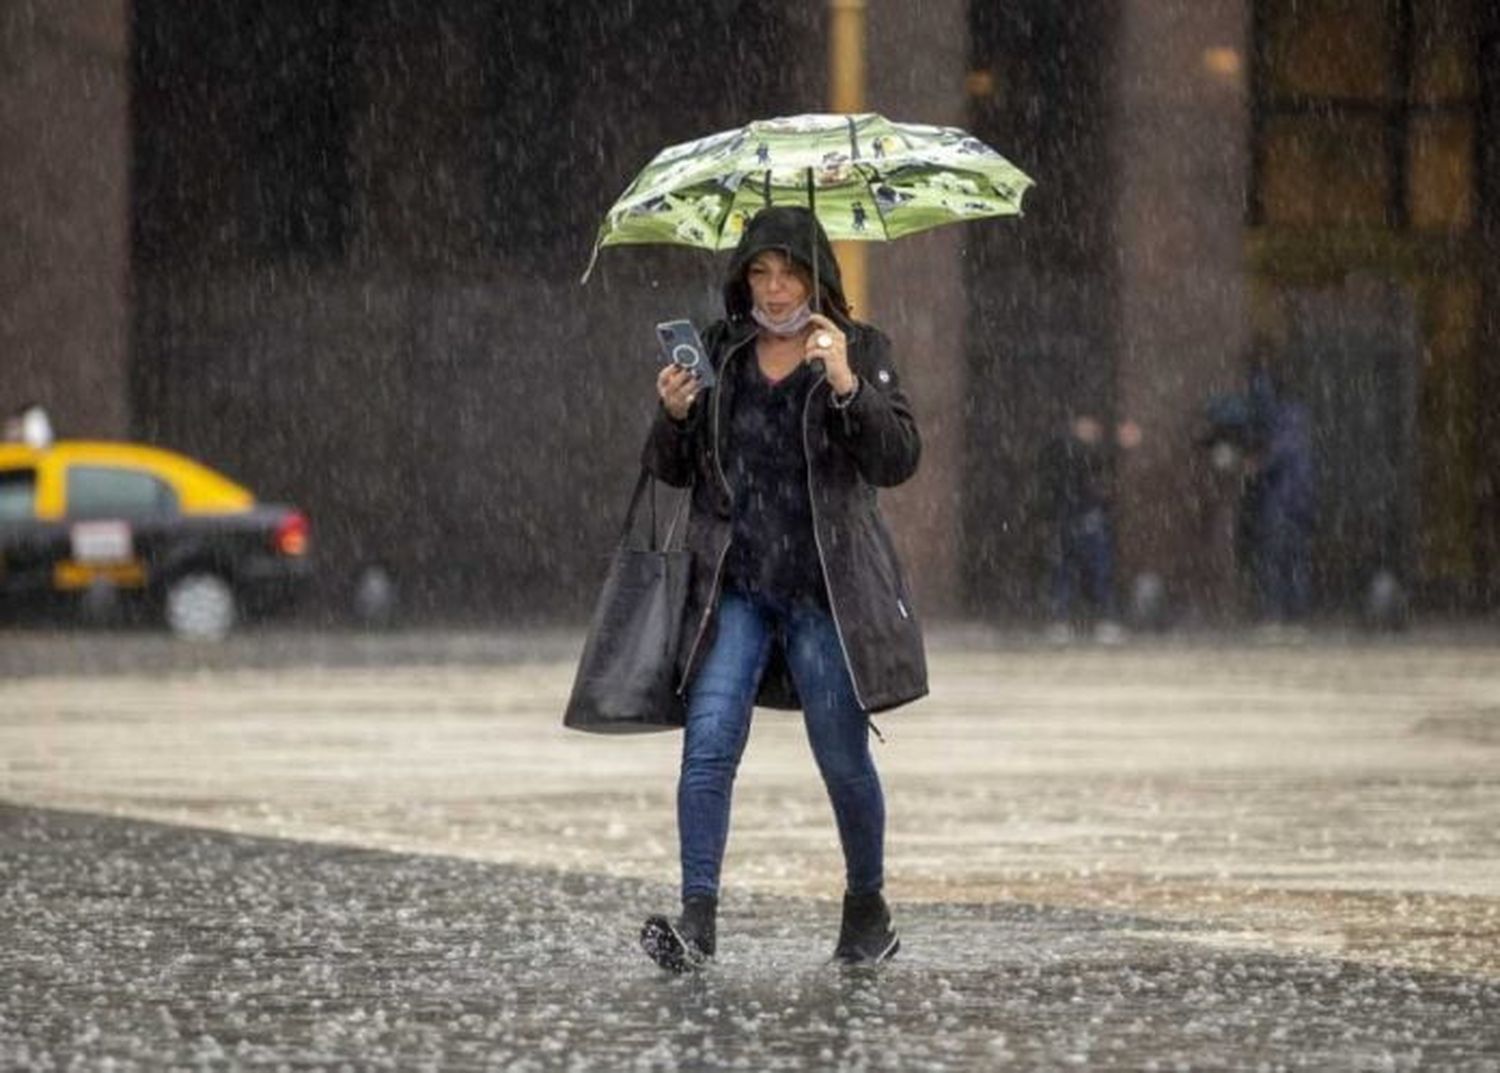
(1487, 394)
(64, 212)
(1180, 148)
(1040, 287)
(916, 65)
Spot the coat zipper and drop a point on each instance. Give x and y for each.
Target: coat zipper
(812, 501)
(713, 595)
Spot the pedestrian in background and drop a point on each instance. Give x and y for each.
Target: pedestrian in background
(797, 599)
(1219, 482)
(1281, 505)
(1076, 500)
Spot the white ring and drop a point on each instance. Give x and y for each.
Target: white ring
(824, 340)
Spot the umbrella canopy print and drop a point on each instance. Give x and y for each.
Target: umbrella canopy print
(867, 179)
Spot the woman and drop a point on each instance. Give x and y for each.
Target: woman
(797, 599)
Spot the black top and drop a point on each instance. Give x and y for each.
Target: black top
(773, 550)
(1075, 479)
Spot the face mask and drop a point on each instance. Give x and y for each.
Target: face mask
(790, 324)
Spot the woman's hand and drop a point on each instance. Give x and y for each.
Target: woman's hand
(677, 389)
(827, 342)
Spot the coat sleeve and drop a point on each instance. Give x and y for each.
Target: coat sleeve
(670, 446)
(878, 428)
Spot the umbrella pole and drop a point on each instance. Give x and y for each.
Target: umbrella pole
(812, 208)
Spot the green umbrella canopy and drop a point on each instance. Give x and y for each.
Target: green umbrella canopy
(867, 178)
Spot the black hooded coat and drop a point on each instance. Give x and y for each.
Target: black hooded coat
(851, 451)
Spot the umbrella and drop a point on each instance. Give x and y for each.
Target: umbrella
(867, 179)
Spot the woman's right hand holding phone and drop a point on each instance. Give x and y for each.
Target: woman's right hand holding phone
(677, 388)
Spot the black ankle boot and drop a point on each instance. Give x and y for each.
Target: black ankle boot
(866, 936)
(687, 943)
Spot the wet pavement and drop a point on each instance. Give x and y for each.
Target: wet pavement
(1182, 854)
(129, 945)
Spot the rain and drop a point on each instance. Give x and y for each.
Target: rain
(330, 344)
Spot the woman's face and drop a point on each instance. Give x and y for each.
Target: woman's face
(778, 285)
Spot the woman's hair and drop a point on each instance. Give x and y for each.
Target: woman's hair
(835, 304)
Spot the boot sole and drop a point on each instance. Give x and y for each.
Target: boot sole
(885, 955)
(663, 945)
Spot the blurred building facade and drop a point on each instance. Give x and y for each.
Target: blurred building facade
(333, 249)
(65, 210)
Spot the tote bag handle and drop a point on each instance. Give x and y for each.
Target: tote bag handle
(635, 505)
(626, 677)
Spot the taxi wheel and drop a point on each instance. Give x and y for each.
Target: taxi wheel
(200, 607)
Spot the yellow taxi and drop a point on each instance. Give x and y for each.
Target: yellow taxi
(80, 517)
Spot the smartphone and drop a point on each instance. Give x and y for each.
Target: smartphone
(681, 345)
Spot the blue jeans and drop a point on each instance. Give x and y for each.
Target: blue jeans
(1283, 565)
(718, 724)
(1085, 558)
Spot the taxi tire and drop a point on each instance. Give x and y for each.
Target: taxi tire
(200, 606)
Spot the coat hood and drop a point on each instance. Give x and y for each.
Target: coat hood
(796, 232)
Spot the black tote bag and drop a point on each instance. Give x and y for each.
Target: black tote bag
(626, 677)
